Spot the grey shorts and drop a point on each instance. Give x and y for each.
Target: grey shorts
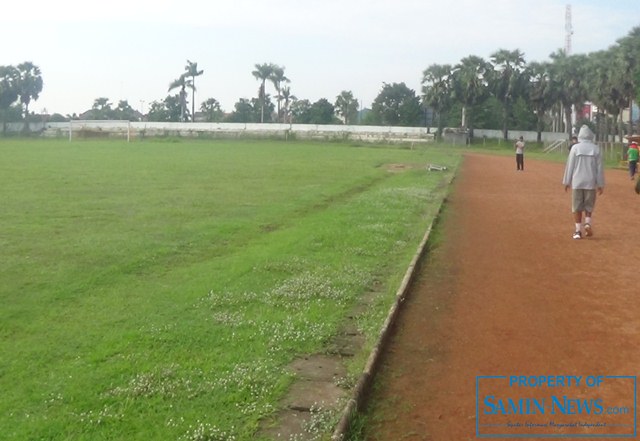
(583, 200)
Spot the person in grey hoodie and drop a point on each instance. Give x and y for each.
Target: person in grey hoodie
(584, 174)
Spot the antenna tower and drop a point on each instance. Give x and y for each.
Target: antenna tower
(568, 31)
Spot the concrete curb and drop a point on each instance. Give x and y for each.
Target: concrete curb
(361, 389)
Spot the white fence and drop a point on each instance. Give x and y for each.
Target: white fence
(547, 137)
(139, 130)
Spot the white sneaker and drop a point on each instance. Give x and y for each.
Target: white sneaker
(588, 230)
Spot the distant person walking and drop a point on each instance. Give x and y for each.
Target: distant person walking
(574, 141)
(632, 159)
(584, 174)
(519, 146)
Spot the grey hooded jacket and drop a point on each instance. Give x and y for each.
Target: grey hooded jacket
(585, 168)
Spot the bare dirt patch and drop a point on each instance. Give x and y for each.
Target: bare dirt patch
(397, 168)
(321, 383)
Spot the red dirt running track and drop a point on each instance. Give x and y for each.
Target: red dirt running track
(507, 291)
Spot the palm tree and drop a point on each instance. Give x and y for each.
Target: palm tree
(607, 83)
(193, 72)
(597, 82)
(347, 106)
(29, 86)
(124, 111)
(437, 90)
(211, 109)
(181, 83)
(628, 57)
(541, 93)
(101, 104)
(277, 78)
(101, 109)
(9, 92)
(288, 100)
(569, 73)
(262, 73)
(470, 87)
(506, 79)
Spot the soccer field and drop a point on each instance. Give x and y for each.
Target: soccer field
(158, 289)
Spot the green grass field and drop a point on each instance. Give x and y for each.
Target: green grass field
(157, 289)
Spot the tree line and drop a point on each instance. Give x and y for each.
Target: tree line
(282, 107)
(506, 92)
(21, 84)
(503, 92)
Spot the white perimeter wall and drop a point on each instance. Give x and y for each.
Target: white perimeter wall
(301, 131)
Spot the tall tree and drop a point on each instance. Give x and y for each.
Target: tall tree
(157, 111)
(243, 112)
(507, 81)
(181, 83)
(541, 93)
(277, 77)
(29, 86)
(637, 82)
(9, 91)
(598, 85)
(101, 103)
(569, 74)
(100, 109)
(320, 112)
(211, 109)
(262, 73)
(193, 72)
(124, 111)
(300, 111)
(437, 90)
(470, 87)
(397, 105)
(288, 99)
(249, 111)
(628, 58)
(168, 110)
(347, 107)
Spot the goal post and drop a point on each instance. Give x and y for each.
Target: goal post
(99, 128)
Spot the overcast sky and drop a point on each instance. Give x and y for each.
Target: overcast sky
(132, 49)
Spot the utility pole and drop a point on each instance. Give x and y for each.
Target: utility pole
(568, 28)
(568, 31)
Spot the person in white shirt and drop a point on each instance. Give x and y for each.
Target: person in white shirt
(584, 174)
(519, 146)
